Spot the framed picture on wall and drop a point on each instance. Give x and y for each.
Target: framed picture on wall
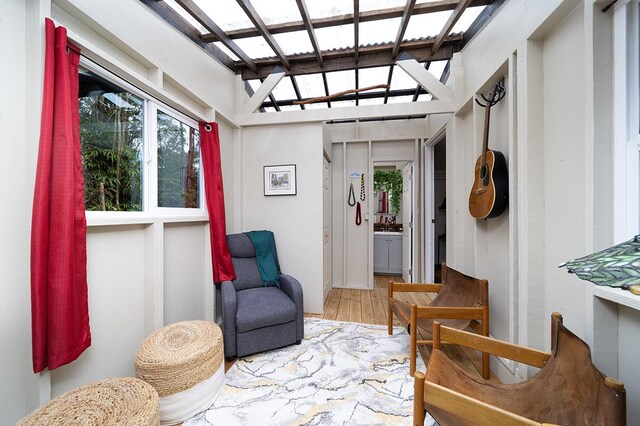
(280, 180)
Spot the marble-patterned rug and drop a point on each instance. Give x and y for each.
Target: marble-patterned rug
(342, 373)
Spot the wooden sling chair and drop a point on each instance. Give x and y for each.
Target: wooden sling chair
(462, 301)
(568, 389)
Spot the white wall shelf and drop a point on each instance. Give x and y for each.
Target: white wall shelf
(617, 295)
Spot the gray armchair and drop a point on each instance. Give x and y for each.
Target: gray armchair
(257, 318)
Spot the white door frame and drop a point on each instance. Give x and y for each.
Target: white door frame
(428, 229)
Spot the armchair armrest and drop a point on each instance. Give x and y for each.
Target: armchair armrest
(293, 289)
(464, 406)
(229, 310)
(489, 345)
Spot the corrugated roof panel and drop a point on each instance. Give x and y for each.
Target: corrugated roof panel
(382, 31)
(294, 42)
(276, 11)
(310, 85)
(335, 37)
(339, 81)
(328, 8)
(255, 47)
(468, 16)
(426, 25)
(225, 13)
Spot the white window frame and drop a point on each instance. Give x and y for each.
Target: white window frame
(150, 208)
(626, 57)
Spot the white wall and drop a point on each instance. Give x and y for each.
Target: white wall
(18, 384)
(558, 168)
(295, 220)
(131, 266)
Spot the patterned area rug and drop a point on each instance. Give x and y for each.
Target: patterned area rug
(342, 373)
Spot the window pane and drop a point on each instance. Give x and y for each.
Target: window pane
(111, 123)
(178, 163)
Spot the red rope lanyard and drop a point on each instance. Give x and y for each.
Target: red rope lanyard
(358, 214)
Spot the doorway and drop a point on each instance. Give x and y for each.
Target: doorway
(435, 205)
(393, 208)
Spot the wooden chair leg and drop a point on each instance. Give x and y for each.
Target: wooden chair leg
(486, 368)
(412, 340)
(418, 399)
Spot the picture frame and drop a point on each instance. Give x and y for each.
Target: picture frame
(280, 180)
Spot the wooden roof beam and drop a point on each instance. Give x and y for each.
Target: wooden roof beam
(355, 96)
(326, 88)
(332, 21)
(262, 29)
(302, 6)
(418, 87)
(204, 20)
(453, 18)
(263, 91)
(408, 10)
(343, 59)
(296, 89)
(356, 29)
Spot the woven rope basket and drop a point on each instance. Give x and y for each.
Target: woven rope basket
(180, 355)
(119, 401)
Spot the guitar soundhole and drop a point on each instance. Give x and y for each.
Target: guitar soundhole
(483, 172)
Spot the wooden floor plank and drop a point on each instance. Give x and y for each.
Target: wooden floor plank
(343, 307)
(355, 306)
(379, 307)
(366, 306)
(333, 302)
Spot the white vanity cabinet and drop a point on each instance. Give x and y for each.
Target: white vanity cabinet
(387, 253)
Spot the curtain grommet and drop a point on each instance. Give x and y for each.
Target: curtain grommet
(207, 127)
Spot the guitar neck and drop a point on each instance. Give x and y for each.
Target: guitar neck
(485, 136)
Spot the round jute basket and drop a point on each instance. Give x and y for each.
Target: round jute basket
(118, 401)
(180, 355)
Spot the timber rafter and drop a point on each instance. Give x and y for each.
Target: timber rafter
(333, 21)
(343, 59)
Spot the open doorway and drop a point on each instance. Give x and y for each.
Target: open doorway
(393, 207)
(440, 205)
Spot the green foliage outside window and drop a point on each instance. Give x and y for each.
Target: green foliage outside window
(111, 126)
(178, 163)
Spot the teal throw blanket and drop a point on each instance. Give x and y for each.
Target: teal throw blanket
(266, 257)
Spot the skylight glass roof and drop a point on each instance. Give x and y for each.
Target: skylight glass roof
(225, 13)
(426, 25)
(284, 24)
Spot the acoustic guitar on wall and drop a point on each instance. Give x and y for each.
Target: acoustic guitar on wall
(490, 191)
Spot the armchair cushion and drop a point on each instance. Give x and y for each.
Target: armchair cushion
(263, 307)
(247, 275)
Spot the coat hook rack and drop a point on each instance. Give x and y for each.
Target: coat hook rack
(496, 95)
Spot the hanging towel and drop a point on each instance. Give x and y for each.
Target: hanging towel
(266, 256)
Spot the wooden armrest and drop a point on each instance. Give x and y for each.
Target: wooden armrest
(448, 312)
(421, 287)
(496, 347)
(471, 409)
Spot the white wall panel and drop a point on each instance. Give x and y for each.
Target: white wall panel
(115, 275)
(295, 220)
(187, 293)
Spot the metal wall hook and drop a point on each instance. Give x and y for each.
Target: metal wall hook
(496, 95)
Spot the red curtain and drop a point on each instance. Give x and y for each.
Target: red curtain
(210, 151)
(59, 307)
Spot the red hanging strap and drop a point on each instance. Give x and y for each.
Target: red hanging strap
(358, 214)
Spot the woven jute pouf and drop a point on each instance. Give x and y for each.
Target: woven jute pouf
(119, 401)
(184, 363)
